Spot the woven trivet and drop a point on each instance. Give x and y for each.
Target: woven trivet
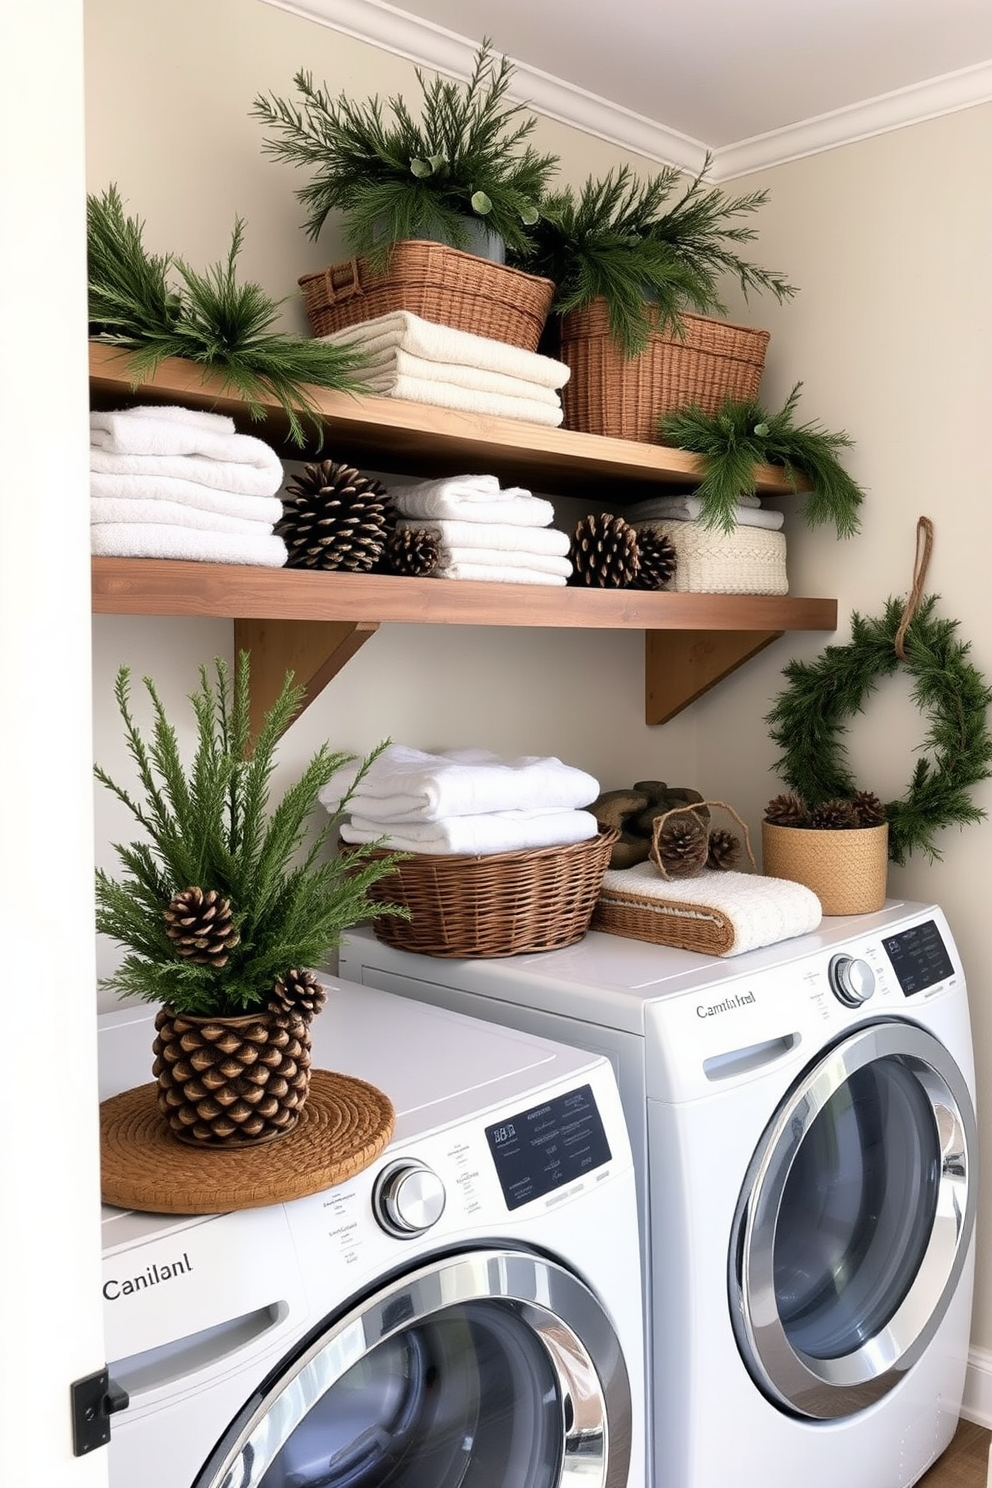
(343, 1127)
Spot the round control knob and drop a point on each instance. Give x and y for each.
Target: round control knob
(851, 980)
(408, 1198)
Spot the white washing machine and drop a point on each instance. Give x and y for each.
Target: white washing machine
(465, 1313)
(803, 1123)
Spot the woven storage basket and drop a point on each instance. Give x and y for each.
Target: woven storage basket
(495, 904)
(847, 870)
(437, 283)
(749, 560)
(624, 397)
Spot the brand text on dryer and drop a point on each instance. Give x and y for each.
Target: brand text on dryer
(740, 999)
(113, 1288)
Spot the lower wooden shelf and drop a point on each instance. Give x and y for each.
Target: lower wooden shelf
(313, 623)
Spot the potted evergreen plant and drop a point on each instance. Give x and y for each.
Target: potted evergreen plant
(226, 906)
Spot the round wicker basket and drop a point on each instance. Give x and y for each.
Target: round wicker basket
(847, 870)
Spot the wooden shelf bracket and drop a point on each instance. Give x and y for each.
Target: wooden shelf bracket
(680, 665)
(313, 650)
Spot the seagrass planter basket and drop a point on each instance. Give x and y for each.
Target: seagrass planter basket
(437, 283)
(847, 870)
(494, 904)
(624, 397)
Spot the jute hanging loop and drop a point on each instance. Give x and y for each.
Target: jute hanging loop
(924, 548)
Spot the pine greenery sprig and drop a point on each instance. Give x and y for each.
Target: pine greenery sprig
(212, 827)
(741, 435)
(402, 177)
(208, 318)
(614, 239)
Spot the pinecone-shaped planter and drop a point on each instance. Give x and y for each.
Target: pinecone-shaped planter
(231, 1082)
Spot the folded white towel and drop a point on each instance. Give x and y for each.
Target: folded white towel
(171, 413)
(690, 509)
(661, 506)
(261, 479)
(177, 514)
(404, 784)
(493, 832)
(505, 536)
(162, 488)
(151, 540)
(465, 399)
(128, 433)
(452, 563)
(386, 366)
(741, 911)
(451, 500)
(441, 343)
(498, 573)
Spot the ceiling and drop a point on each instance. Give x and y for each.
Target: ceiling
(755, 83)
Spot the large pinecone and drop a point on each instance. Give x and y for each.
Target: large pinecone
(200, 924)
(680, 844)
(298, 992)
(658, 559)
(604, 552)
(226, 1082)
(335, 518)
(787, 810)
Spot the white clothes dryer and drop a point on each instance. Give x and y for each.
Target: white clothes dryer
(803, 1123)
(465, 1313)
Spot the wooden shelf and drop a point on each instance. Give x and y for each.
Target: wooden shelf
(314, 622)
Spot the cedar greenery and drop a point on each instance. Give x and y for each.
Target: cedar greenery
(741, 435)
(157, 306)
(807, 722)
(406, 178)
(614, 238)
(212, 826)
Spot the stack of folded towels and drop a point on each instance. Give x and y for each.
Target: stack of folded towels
(176, 482)
(486, 532)
(749, 512)
(462, 801)
(409, 357)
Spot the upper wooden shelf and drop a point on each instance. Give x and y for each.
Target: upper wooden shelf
(314, 622)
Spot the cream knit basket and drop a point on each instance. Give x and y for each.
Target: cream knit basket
(749, 560)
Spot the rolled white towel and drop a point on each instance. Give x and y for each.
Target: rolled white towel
(495, 831)
(690, 509)
(177, 514)
(262, 478)
(112, 487)
(506, 536)
(151, 540)
(465, 399)
(441, 343)
(386, 366)
(450, 500)
(405, 784)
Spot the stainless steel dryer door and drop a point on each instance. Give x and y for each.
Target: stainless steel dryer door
(488, 1369)
(854, 1221)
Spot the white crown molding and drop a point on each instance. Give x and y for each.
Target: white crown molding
(394, 30)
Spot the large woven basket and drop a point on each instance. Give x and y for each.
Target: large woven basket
(624, 397)
(437, 283)
(494, 904)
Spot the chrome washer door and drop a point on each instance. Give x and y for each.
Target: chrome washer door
(488, 1369)
(854, 1221)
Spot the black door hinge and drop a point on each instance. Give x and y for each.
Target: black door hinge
(93, 1401)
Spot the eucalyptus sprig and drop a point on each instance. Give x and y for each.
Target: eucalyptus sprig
(741, 435)
(157, 306)
(395, 176)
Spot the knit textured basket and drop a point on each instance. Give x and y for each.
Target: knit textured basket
(749, 560)
(624, 397)
(494, 904)
(437, 283)
(847, 870)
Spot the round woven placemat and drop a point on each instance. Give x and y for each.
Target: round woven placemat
(343, 1127)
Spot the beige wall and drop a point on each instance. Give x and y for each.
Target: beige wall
(889, 240)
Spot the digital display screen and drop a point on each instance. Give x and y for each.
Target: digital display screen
(919, 957)
(548, 1146)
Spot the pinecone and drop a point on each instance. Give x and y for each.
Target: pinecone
(657, 558)
(834, 815)
(868, 809)
(226, 1082)
(680, 845)
(787, 811)
(412, 552)
(201, 926)
(336, 519)
(604, 552)
(723, 849)
(298, 992)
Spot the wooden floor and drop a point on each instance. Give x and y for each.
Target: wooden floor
(965, 1464)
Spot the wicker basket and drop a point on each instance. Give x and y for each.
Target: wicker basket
(624, 397)
(749, 560)
(437, 283)
(495, 904)
(847, 870)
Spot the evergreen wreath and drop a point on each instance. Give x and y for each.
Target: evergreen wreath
(808, 721)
